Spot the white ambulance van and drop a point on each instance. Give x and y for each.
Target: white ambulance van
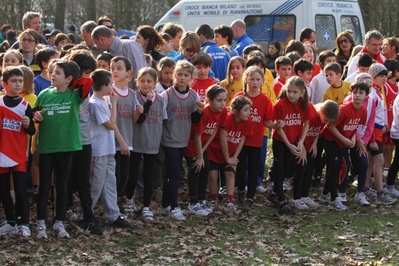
(273, 20)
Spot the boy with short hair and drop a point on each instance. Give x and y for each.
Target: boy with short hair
(303, 69)
(104, 61)
(43, 57)
(202, 63)
(16, 118)
(338, 89)
(319, 84)
(283, 69)
(363, 66)
(102, 126)
(224, 36)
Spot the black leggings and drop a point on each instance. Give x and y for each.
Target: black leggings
(393, 170)
(79, 180)
(303, 177)
(21, 196)
(148, 173)
(249, 161)
(122, 172)
(173, 158)
(334, 159)
(60, 162)
(197, 182)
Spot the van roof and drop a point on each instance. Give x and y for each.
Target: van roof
(206, 1)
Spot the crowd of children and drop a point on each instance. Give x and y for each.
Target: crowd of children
(88, 134)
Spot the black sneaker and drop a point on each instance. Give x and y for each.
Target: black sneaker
(248, 204)
(240, 197)
(273, 199)
(122, 223)
(95, 227)
(285, 208)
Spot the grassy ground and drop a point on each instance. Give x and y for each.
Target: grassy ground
(359, 236)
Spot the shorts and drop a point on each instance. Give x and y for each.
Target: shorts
(213, 166)
(22, 167)
(386, 139)
(375, 152)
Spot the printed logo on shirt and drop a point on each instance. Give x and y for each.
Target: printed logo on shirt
(293, 120)
(314, 131)
(255, 117)
(352, 125)
(152, 117)
(181, 112)
(125, 110)
(11, 124)
(58, 108)
(210, 128)
(234, 137)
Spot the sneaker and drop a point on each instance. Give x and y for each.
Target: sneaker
(300, 205)
(248, 204)
(342, 197)
(385, 199)
(121, 222)
(285, 208)
(360, 199)
(206, 207)
(212, 204)
(370, 194)
(260, 189)
(177, 214)
(240, 197)
(197, 209)
(273, 199)
(8, 229)
(287, 184)
(337, 205)
(393, 193)
(222, 190)
(309, 202)
(24, 231)
(129, 207)
(164, 211)
(72, 215)
(95, 227)
(325, 198)
(231, 207)
(59, 230)
(41, 230)
(147, 214)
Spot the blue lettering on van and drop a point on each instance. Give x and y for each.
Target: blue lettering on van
(344, 5)
(193, 13)
(228, 6)
(254, 6)
(211, 12)
(196, 7)
(209, 6)
(246, 11)
(325, 4)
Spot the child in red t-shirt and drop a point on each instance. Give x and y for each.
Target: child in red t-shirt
(320, 115)
(223, 151)
(293, 109)
(202, 63)
(202, 134)
(283, 69)
(261, 116)
(338, 137)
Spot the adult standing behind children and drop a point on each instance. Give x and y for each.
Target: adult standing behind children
(32, 21)
(220, 58)
(86, 30)
(176, 32)
(105, 40)
(241, 39)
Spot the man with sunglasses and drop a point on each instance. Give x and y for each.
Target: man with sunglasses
(308, 36)
(107, 22)
(373, 42)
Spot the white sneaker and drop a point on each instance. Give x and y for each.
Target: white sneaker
(59, 230)
(299, 205)
(8, 229)
(212, 204)
(41, 230)
(360, 199)
(197, 209)
(393, 192)
(325, 198)
(385, 199)
(342, 197)
(287, 184)
(147, 214)
(337, 205)
(129, 207)
(310, 203)
(230, 206)
(164, 211)
(177, 214)
(24, 230)
(206, 207)
(370, 194)
(260, 189)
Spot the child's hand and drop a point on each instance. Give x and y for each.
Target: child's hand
(25, 121)
(348, 143)
(149, 95)
(232, 161)
(361, 147)
(313, 150)
(200, 107)
(198, 165)
(33, 148)
(302, 157)
(293, 149)
(113, 97)
(124, 149)
(216, 81)
(280, 124)
(37, 117)
(299, 147)
(374, 146)
(139, 109)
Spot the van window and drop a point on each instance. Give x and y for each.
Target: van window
(326, 32)
(352, 23)
(266, 29)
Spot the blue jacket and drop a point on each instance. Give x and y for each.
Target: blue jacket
(241, 43)
(220, 59)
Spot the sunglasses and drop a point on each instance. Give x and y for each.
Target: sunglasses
(189, 50)
(344, 41)
(109, 26)
(28, 40)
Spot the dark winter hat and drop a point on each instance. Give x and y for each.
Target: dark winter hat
(53, 33)
(376, 69)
